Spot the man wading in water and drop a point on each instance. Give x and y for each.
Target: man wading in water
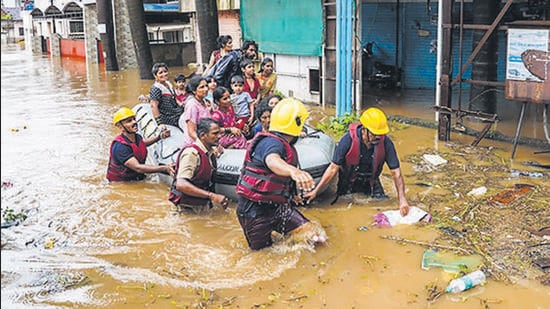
(359, 159)
(193, 186)
(129, 150)
(270, 179)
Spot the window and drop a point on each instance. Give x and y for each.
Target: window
(163, 33)
(172, 36)
(21, 31)
(76, 26)
(314, 80)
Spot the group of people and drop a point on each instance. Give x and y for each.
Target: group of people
(270, 177)
(198, 95)
(271, 184)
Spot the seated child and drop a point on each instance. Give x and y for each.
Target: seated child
(211, 82)
(263, 112)
(181, 94)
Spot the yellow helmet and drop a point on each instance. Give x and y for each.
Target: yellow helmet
(375, 121)
(288, 117)
(122, 113)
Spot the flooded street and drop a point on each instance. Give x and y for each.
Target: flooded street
(86, 243)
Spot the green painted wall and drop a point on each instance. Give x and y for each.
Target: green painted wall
(284, 26)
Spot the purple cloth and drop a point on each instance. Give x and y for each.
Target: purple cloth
(228, 120)
(381, 220)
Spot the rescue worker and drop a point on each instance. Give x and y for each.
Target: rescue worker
(193, 186)
(359, 159)
(270, 178)
(129, 150)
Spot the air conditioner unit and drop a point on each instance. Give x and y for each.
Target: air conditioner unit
(188, 34)
(228, 5)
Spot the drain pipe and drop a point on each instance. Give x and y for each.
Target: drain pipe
(323, 76)
(397, 25)
(439, 56)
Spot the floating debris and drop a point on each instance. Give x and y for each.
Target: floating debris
(499, 234)
(509, 195)
(542, 263)
(451, 231)
(391, 218)
(8, 224)
(434, 292)
(536, 164)
(543, 231)
(50, 243)
(516, 174)
(423, 184)
(54, 282)
(478, 191)
(10, 218)
(434, 160)
(15, 130)
(7, 184)
(450, 262)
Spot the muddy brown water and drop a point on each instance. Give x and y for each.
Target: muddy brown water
(90, 244)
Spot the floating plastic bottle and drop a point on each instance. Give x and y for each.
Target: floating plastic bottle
(466, 282)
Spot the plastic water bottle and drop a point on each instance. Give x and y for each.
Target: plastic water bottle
(466, 282)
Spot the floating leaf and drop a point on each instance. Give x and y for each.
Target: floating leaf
(273, 297)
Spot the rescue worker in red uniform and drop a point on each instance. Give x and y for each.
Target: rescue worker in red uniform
(129, 150)
(193, 187)
(359, 159)
(270, 178)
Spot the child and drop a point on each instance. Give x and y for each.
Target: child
(211, 82)
(181, 94)
(263, 115)
(264, 110)
(241, 101)
(251, 82)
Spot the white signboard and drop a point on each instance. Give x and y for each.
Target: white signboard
(519, 42)
(101, 28)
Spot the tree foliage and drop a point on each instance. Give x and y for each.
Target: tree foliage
(337, 126)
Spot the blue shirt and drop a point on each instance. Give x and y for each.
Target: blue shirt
(257, 129)
(265, 147)
(123, 153)
(240, 104)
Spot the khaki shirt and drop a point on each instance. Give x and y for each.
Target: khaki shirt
(190, 160)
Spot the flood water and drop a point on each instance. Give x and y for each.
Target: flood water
(89, 244)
